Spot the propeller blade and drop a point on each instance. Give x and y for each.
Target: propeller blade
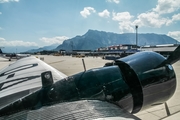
(173, 57)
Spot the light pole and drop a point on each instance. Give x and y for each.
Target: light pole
(72, 45)
(136, 36)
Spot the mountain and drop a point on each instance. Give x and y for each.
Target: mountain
(94, 39)
(51, 47)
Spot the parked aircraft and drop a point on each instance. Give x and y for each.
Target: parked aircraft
(13, 55)
(1, 51)
(31, 89)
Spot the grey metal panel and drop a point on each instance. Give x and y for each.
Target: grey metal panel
(74, 110)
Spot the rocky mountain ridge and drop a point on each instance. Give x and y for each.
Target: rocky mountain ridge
(94, 39)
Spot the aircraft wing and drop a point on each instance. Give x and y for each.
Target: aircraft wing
(76, 110)
(111, 92)
(23, 77)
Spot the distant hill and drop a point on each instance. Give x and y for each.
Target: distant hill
(94, 39)
(51, 47)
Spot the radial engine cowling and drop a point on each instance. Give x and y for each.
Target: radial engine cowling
(150, 83)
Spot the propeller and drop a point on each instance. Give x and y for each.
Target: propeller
(173, 57)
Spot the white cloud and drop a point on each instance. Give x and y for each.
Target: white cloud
(4, 1)
(54, 40)
(122, 16)
(115, 1)
(174, 34)
(124, 19)
(126, 27)
(153, 18)
(167, 6)
(2, 39)
(176, 17)
(104, 13)
(150, 19)
(3, 42)
(0, 13)
(87, 11)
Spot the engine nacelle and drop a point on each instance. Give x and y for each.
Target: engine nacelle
(150, 83)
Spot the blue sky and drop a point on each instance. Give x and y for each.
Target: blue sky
(45, 22)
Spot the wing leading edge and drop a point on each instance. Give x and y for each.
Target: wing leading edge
(76, 110)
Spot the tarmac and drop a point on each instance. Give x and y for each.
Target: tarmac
(71, 65)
